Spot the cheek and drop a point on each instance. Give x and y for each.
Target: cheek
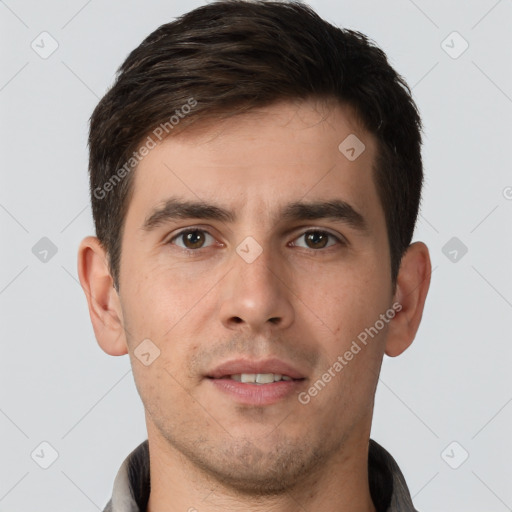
(156, 300)
(348, 300)
(156, 384)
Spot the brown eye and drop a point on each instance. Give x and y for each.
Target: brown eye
(191, 239)
(316, 239)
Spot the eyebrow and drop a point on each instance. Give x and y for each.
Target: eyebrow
(174, 208)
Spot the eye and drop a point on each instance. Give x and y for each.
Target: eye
(317, 239)
(192, 239)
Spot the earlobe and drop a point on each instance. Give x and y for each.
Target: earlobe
(102, 298)
(413, 282)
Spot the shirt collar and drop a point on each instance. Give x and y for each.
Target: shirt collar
(388, 488)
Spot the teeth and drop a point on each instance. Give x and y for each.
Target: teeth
(264, 378)
(259, 378)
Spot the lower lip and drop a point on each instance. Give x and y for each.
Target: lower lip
(257, 394)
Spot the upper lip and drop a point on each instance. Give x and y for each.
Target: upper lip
(239, 366)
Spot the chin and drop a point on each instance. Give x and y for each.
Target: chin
(247, 469)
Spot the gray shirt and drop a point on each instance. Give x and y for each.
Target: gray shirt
(388, 489)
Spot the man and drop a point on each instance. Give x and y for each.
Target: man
(255, 179)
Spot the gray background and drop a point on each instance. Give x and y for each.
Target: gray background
(452, 385)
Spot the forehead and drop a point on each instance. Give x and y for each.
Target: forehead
(256, 162)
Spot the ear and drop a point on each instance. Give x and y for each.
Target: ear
(102, 298)
(413, 282)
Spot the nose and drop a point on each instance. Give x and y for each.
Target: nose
(257, 295)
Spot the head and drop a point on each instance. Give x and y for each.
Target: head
(238, 112)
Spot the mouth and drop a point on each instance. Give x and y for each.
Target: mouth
(258, 378)
(256, 382)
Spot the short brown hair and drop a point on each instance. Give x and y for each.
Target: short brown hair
(230, 56)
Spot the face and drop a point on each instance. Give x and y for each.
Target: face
(278, 267)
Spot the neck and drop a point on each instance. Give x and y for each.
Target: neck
(178, 485)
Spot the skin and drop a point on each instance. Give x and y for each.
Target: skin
(296, 301)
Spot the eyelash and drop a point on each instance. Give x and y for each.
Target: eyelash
(339, 240)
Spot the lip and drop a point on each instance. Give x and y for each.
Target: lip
(256, 394)
(237, 366)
